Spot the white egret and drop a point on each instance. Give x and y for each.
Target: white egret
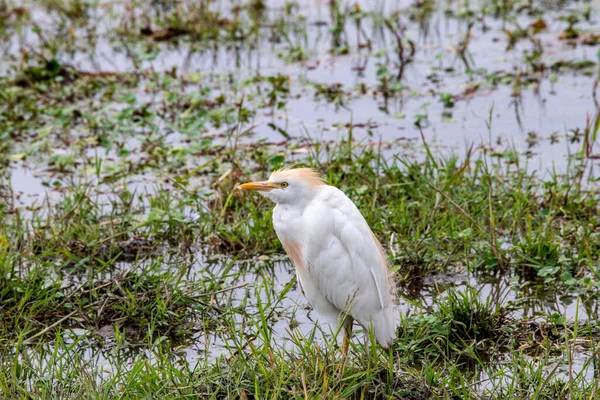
(339, 262)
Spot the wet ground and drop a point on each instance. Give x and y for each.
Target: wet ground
(496, 97)
(137, 94)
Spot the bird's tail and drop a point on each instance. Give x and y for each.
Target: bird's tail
(384, 327)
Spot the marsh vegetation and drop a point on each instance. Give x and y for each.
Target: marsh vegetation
(464, 131)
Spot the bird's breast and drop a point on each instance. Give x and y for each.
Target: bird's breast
(290, 230)
(295, 253)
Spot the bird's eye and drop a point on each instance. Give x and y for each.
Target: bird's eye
(284, 184)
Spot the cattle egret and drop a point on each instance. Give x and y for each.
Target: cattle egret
(339, 262)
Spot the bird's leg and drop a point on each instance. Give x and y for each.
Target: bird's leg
(347, 335)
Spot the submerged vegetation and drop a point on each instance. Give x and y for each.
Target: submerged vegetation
(131, 267)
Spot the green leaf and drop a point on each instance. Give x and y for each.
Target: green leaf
(548, 271)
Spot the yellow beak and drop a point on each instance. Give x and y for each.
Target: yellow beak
(264, 186)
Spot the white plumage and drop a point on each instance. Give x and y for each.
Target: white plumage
(339, 262)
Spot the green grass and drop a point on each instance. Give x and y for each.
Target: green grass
(60, 272)
(145, 274)
(258, 368)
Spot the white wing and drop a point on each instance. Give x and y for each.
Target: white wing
(346, 263)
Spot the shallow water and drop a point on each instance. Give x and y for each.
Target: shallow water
(536, 122)
(266, 279)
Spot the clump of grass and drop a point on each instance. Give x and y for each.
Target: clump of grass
(460, 323)
(143, 297)
(471, 319)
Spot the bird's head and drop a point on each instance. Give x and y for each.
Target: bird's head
(288, 186)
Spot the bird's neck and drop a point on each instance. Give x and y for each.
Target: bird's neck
(288, 208)
(298, 205)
